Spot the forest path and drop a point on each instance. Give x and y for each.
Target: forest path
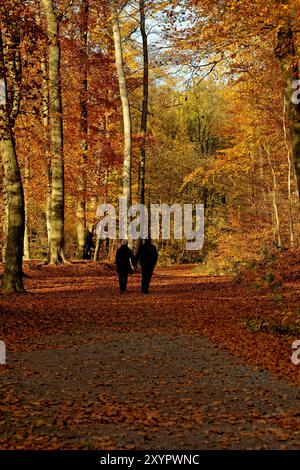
(135, 371)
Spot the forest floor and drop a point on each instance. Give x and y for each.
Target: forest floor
(191, 366)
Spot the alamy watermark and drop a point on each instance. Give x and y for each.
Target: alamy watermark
(2, 353)
(140, 222)
(296, 94)
(296, 354)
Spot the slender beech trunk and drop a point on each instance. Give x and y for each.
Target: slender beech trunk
(277, 234)
(262, 178)
(45, 120)
(13, 273)
(26, 192)
(127, 121)
(99, 243)
(82, 186)
(49, 186)
(45, 101)
(57, 153)
(144, 118)
(97, 250)
(98, 185)
(5, 223)
(289, 176)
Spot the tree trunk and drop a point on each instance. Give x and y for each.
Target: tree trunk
(105, 183)
(289, 176)
(144, 118)
(127, 121)
(97, 250)
(57, 153)
(5, 223)
(286, 51)
(82, 186)
(26, 192)
(13, 273)
(45, 120)
(277, 234)
(45, 92)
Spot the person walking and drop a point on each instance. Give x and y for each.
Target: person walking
(88, 245)
(124, 261)
(147, 256)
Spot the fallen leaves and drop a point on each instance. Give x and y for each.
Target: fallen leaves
(72, 311)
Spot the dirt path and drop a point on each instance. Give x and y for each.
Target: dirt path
(135, 372)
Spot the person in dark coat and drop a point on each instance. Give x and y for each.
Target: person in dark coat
(147, 256)
(88, 245)
(124, 258)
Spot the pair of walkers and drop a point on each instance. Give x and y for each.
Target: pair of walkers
(147, 257)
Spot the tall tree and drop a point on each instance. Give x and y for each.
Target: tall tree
(144, 118)
(81, 211)
(56, 121)
(127, 120)
(10, 70)
(45, 120)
